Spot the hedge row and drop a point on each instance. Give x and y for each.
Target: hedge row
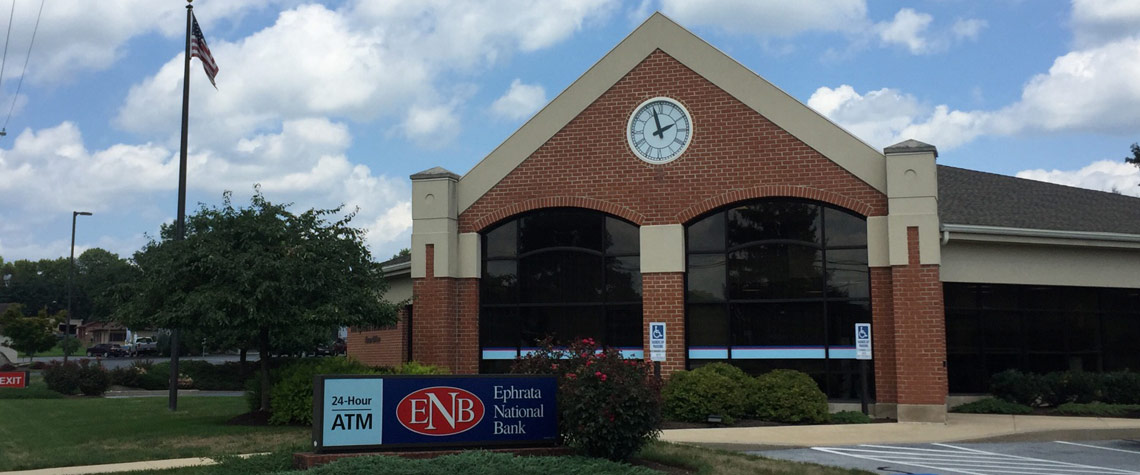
(1055, 389)
(727, 391)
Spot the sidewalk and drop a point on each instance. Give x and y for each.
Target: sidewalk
(959, 427)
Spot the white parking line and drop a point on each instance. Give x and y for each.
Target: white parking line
(967, 461)
(1098, 447)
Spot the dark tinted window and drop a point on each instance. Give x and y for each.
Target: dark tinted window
(779, 283)
(565, 273)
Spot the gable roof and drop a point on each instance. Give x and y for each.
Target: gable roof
(970, 197)
(659, 32)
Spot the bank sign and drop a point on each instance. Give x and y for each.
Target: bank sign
(378, 412)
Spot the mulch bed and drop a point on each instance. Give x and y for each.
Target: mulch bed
(256, 418)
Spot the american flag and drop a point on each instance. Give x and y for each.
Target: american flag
(198, 49)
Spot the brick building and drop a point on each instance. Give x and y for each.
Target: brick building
(671, 184)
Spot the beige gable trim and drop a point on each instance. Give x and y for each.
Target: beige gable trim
(659, 32)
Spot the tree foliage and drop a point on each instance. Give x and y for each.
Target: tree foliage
(1135, 158)
(43, 283)
(31, 335)
(259, 274)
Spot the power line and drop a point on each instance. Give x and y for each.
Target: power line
(4, 60)
(20, 83)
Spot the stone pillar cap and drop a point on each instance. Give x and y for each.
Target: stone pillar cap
(910, 146)
(435, 172)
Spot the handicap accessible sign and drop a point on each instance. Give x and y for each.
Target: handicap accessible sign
(377, 412)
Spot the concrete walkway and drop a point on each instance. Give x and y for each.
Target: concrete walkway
(959, 427)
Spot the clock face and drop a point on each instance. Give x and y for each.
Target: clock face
(659, 130)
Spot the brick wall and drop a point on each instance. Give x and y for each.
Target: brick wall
(380, 347)
(919, 324)
(883, 336)
(735, 154)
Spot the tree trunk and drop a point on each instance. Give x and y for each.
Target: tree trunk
(244, 371)
(263, 349)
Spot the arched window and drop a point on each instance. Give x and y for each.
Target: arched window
(568, 273)
(779, 283)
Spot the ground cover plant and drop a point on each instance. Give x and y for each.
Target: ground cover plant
(992, 406)
(82, 431)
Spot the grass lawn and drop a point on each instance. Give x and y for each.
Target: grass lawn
(698, 460)
(57, 351)
(39, 433)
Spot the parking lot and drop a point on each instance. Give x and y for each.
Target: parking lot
(1030, 458)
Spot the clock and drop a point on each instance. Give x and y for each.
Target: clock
(659, 130)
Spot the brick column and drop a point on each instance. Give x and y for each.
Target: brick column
(920, 337)
(662, 297)
(434, 330)
(883, 332)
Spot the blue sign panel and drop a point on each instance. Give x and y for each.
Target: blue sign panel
(362, 412)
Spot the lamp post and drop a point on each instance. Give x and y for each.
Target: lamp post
(71, 277)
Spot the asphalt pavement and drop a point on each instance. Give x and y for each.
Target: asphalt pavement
(1115, 457)
(122, 361)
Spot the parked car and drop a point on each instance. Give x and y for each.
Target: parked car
(106, 350)
(338, 347)
(141, 346)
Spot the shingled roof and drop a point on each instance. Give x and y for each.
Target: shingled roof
(987, 199)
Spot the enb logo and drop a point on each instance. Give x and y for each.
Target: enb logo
(440, 410)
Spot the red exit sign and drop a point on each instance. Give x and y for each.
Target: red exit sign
(13, 380)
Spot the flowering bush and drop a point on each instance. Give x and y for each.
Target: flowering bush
(609, 406)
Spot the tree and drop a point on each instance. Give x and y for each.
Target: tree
(405, 252)
(1135, 158)
(259, 273)
(31, 335)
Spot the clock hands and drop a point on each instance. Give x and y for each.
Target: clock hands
(660, 132)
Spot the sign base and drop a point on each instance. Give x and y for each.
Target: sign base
(306, 460)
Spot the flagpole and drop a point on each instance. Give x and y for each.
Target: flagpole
(180, 225)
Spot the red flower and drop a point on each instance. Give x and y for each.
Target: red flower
(603, 377)
(554, 366)
(571, 376)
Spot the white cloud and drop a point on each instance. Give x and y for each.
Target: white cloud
(520, 101)
(368, 60)
(1103, 175)
(770, 18)
(908, 29)
(1096, 22)
(888, 116)
(1091, 90)
(968, 29)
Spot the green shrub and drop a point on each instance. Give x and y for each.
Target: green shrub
(93, 379)
(1072, 386)
(992, 406)
(1098, 409)
(1023, 388)
(1121, 387)
(785, 395)
(291, 398)
(62, 377)
(850, 417)
(718, 388)
(131, 376)
(609, 406)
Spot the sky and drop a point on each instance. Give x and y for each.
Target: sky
(331, 103)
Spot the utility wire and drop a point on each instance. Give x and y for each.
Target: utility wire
(7, 35)
(20, 83)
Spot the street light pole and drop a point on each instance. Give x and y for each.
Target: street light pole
(71, 278)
